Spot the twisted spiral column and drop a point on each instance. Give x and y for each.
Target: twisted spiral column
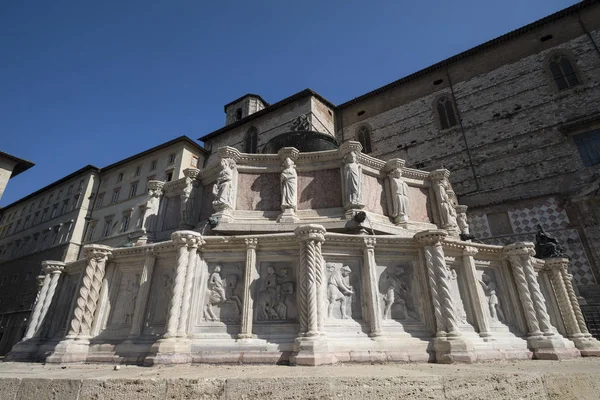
(35, 316)
(436, 261)
(54, 270)
(193, 242)
(93, 274)
(564, 304)
(538, 298)
(311, 278)
(321, 288)
(518, 254)
(435, 296)
(180, 240)
(568, 282)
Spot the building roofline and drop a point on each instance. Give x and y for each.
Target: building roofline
(266, 110)
(156, 148)
(21, 165)
(51, 185)
(574, 9)
(266, 103)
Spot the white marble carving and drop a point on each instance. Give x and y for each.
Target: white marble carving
(223, 292)
(488, 284)
(399, 190)
(461, 314)
(441, 186)
(276, 294)
(223, 187)
(339, 290)
(289, 186)
(353, 181)
(397, 295)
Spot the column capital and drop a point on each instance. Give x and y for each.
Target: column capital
(519, 249)
(288, 152)
(557, 263)
(53, 267)
(191, 173)
(227, 152)
(251, 243)
(155, 186)
(39, 281)
(310, 232)
(369, 242)
(97, 251)
(349, 146)
(430, 237)
(439, 175)
(461, 209)
(470, 251)
(187, 238)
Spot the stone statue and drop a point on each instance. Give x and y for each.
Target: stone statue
(396, 293)
(272, 304)
(448, 213)
(489, 289)
(461, 314)
(132, 292)
(546, 246)
(399, 196)
(223, 188)
(289, 186)
(338, 289)
(221, 291)
(352, 177)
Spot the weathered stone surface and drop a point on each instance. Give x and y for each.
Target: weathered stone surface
(121, 389)
(491, 387)
(419, 205)
(279, 389)
(50, 389)
(583, 386)
(310, 188)
(195, 389)
(258, 192)
(374, 195)
(9, 388)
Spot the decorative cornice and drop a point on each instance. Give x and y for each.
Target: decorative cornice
(395, 164)
(519, 249)
(369, 242)
(288, 152)
(155, 185)
(349, 146)
(186, 238)
(53, 267)
(191, 173)
(97, 251)
(461, 209)
(470, 251)
(251, 243)
(556, 263)
(439, 174)
(228, 153)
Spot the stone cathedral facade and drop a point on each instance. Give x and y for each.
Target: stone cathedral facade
(313, 233)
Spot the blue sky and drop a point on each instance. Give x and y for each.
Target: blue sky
(92, 82)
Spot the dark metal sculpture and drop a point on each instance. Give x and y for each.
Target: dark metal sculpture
(546, 246)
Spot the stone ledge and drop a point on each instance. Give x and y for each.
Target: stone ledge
(577, 379)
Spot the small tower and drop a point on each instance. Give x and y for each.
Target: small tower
(242, 107)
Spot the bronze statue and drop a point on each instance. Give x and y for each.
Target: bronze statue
(546, 246)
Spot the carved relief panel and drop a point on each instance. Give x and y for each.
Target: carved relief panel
(276, 293)
(398, 292)
(459, 295)
(493, 299)
(158, 301)
(126, 287)
(343, 290)
(58, 318)
(222, 301)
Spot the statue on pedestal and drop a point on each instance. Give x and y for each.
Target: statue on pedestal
(546, 246)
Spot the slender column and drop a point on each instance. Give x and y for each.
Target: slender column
(89, 291)
(554, 267)
(477, 300)
(311, 277)
(54, 269)
(538, 298)
(519, 255)
(249, 277)
(180, 239)
(192, 244)
(439, 280)
(143, 292)
(321, 288)
(568, 282)
(100, 317)
(371, 286)
(187, 198)
(35, 316)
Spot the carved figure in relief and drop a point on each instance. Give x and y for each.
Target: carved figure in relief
(223, 188)
(399, 196)
(447, 208)
(396, 293)
(132, 291)
(221, 291)
(272, 304)
(461, 314)
(338, 289)
(289, 187)
(489, 289)
(352, 177)
(158, 313)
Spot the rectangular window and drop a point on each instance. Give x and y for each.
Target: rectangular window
(22, 211)
(133, 189)
(45, 214)
(588, 145)
(81, 182)
(172, 158)
(36, 218)
(26, 222)
(99, 200)
(50, 199)
(115, 196)
(499, 223)
(138, 170)
(65, 207)
(75, 202)
(59, 194)
(70, 190)
(169, 176)
(194, 162)
(31, 207)
(120, 177)
(18, 225)
(125, 223)
(153, 165)
(107, 227)
(41, 202)
(105, 182)
(90, 232)
(54, 211)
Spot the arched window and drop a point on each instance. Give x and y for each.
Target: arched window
(364, 137)
(251, 142)
(238, 114)
(563, 72)
(445, 111)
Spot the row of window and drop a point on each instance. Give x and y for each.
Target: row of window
(12, 215)
(153, 165)
(14, 279)
(38, 241)
(110, 223)
(41, 216)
